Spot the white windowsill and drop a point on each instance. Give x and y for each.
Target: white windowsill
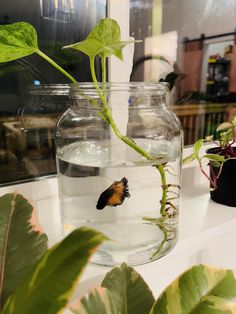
(207, 230)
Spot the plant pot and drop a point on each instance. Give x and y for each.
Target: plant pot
(225, 193)
(105, 183)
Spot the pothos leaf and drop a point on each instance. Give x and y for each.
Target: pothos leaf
(90, 47)
(103, 40)
(17, 40)
(107, 31)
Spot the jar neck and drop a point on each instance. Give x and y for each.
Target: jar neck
(133, 95)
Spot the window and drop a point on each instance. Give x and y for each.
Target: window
(28, 106)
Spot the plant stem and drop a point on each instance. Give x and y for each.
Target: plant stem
(129, 142)
(126, 140)
(206, 175)
(109, 118)
(104, 70)
(165, 233)
(44, 56)
(219, 173)
(164, 185)
(160, 167)
(163, 228)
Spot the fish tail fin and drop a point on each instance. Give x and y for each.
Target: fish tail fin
(126, 188)
(124, 181)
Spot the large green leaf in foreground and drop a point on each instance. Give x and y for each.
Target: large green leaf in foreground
(130, 292)
(200, 290)
(123, 291)
(17, 40)
(20, 246)
(100, 300)
(50, 285)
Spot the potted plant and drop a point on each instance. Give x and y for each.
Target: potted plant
(38, 280)
(221, 161)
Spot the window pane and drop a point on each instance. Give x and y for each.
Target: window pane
(32, 93)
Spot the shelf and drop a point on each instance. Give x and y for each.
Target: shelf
(217, 82)
(219, 61)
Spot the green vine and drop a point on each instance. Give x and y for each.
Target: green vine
(109, 118)
(161, 170)
(55, 65)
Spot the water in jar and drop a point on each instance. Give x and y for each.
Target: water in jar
(138, 232)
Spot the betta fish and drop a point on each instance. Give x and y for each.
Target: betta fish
(114, 195)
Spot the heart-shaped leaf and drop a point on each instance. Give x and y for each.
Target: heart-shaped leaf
(17, 40)
(103, 40)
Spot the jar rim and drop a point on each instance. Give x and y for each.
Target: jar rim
(150, 88)
(49, 89)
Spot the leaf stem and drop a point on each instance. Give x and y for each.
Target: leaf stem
(107, 115)
(165, 238)
(163, 228)
(104, 70)
(131, 143)
(205, 174)
(49, 60)
(164, 185)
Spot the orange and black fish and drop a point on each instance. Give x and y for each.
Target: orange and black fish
(114, 195)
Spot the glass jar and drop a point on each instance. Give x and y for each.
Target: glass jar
(30, 138)
(119, 168)
(44, 99)
(38, 116)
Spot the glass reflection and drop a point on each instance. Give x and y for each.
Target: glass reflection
(192, 44)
